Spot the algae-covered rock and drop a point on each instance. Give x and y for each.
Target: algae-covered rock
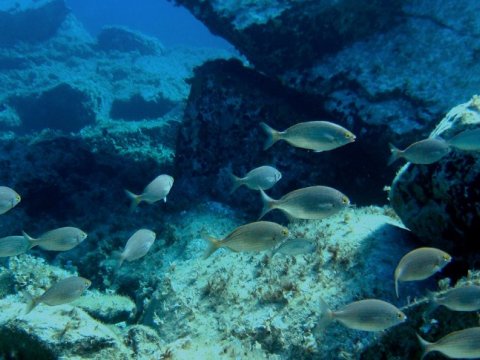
(273, 301)
(439, 202)
(30, 21)
(116, 38)
(56, 332)
(108, 308)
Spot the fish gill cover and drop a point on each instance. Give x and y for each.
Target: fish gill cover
(121, 237)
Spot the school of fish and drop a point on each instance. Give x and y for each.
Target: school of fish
(314, 202)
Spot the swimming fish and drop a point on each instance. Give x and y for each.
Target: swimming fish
(263, 177)
(420, 264)
(14, 245)
(157, 190)
(62, 292)
(366, 315)
(465, 298)
(296, 247)
(137, 246)
(61, 239)
(8, 199)
(425, 151)
(462, 344)
(256, 236)
(314, 202)
(312, 135)
(468, 140)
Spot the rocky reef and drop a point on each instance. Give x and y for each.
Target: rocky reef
(83, 118)
(380, 70)
(439, 202)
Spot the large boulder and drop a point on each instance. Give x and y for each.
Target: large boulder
(382, 62)
(439, 202)
(30, 21)
(380, 69)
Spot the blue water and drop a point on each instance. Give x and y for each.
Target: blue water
(129, 144)
(173, 25)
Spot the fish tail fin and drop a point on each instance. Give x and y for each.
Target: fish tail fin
(426, 346)
(32, 241)
(272, 135)
(396, 154)
(135, 199)
(326, 316)
(118, 256)
(268, 203)
(236, 183)
(31, 302)
(213, 244)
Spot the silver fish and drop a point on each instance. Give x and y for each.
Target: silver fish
(8, 199)
(61, 239)
(137, 246)
(157, 190)
(62, 292)
(468, 140)
(312, 135)
(465, 298)
(427, 151)
(296, 247)
(420, 264)
(463, 344)
(14, 245)
(256, 236)
(366, 315)
(314, 202)
(263, 177)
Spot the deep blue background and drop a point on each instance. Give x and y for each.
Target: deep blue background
(173, 25)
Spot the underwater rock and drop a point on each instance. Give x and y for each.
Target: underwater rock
(381, 63)
(108, 308)
(30, 21)
(274, 301)
(439, 202)
(68, 333)
(116, 38)
(61, 107)
(221, 133)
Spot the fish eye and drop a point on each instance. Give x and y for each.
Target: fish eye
(446, 258)
(345, 200)
(284, 232)
(18, 198)
(400, 315)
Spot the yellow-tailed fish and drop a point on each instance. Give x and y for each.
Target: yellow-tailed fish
(263, 177)
(425, 152)
(312, 135)
(157, 190)
(62, 292)
(468, 140)
(296, 247)
(314, 202)
(8, 199)
(462, 344)
(420, 264)
(366, 315)
(256, 236)
(464, 298)
(61, 239)
(14, 245)
(137, 246)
